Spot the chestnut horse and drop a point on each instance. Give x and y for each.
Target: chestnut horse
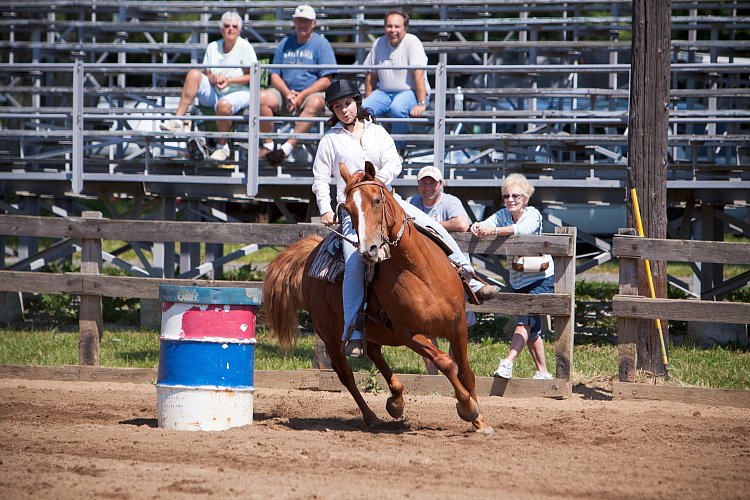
(417, 287)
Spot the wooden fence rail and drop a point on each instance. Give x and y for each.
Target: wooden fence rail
(90, 230)
(631, 304)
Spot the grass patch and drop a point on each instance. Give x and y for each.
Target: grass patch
(679, 269)
(717, 367)
(727, 367)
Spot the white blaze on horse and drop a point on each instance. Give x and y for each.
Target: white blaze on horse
(415, 296)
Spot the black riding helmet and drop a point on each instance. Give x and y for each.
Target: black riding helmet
(342, 88)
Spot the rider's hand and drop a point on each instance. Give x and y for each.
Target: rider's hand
(327, 218)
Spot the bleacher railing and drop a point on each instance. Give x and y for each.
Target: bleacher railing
(438, 119)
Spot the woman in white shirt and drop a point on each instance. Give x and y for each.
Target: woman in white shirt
(519, 218)
(355, 137)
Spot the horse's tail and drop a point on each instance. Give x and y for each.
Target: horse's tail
(282, 290)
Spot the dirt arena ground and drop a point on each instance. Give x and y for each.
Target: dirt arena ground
(63, 440)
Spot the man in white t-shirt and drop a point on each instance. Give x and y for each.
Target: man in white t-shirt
(445, 209)
(222, 86)
(399, 93)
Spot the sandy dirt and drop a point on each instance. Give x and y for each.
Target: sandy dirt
(63, 440)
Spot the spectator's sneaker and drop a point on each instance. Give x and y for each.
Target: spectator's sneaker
(198, 149)
(542, 376)
(263, 152)
(221, 154)
(504, 369)
(275, 157)
(175, 125)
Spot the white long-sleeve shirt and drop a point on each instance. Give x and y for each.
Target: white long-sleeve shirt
(339, 145)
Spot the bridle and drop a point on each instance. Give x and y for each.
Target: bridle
(384, 217)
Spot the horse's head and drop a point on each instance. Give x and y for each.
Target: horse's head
(372, 209)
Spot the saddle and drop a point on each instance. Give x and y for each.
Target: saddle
(434, 236)
(328, 264)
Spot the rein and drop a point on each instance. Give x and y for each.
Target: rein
(383, 220)
(341, 235)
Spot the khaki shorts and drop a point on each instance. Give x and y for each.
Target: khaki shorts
(283, 110)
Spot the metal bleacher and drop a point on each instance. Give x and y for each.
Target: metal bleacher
(532, 86)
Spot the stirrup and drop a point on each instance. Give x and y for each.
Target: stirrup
(348, 345)
(354, 348)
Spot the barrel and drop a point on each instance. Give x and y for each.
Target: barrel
(206, 357)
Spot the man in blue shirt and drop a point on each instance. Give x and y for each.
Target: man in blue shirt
(296, 91)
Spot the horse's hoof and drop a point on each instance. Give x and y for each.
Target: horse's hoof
(395, 406)
(372, 421)
(481, 427)
(486, 430)
(469, 412)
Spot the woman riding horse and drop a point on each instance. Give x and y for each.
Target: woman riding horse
(353, 139)
(415, 296)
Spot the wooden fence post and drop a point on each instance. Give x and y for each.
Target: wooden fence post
(648, 125)
(627, 328)
(565, 282)
(90, 322)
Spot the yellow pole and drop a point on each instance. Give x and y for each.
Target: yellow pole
(649, 277)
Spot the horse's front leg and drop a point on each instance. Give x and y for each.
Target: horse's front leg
(466, 406)
(466, 376)
(342, 368)
(395, 403)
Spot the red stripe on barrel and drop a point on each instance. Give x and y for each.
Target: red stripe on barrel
(228, 322)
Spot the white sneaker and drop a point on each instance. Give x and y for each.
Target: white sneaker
(175, 125)
(542, 376)
(504, 369)
(221, 154)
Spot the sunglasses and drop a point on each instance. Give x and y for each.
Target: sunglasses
(515, 197)
(235, 26)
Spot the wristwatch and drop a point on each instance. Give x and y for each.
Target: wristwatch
(423, 102)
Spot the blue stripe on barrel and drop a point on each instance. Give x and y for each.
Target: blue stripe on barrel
(213, 364)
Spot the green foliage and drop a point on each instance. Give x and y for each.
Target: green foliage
(595, 290)
(60, 308)
(247, 272)
(371, 384)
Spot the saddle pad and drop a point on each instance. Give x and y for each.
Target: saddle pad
(328, 264)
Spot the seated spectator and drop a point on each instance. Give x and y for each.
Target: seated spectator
(449, 212)
(224, 88)
(296, 91)
(399, 93)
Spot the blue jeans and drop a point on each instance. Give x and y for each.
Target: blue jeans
(394, 104)
(545, 285)
(354, 267)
